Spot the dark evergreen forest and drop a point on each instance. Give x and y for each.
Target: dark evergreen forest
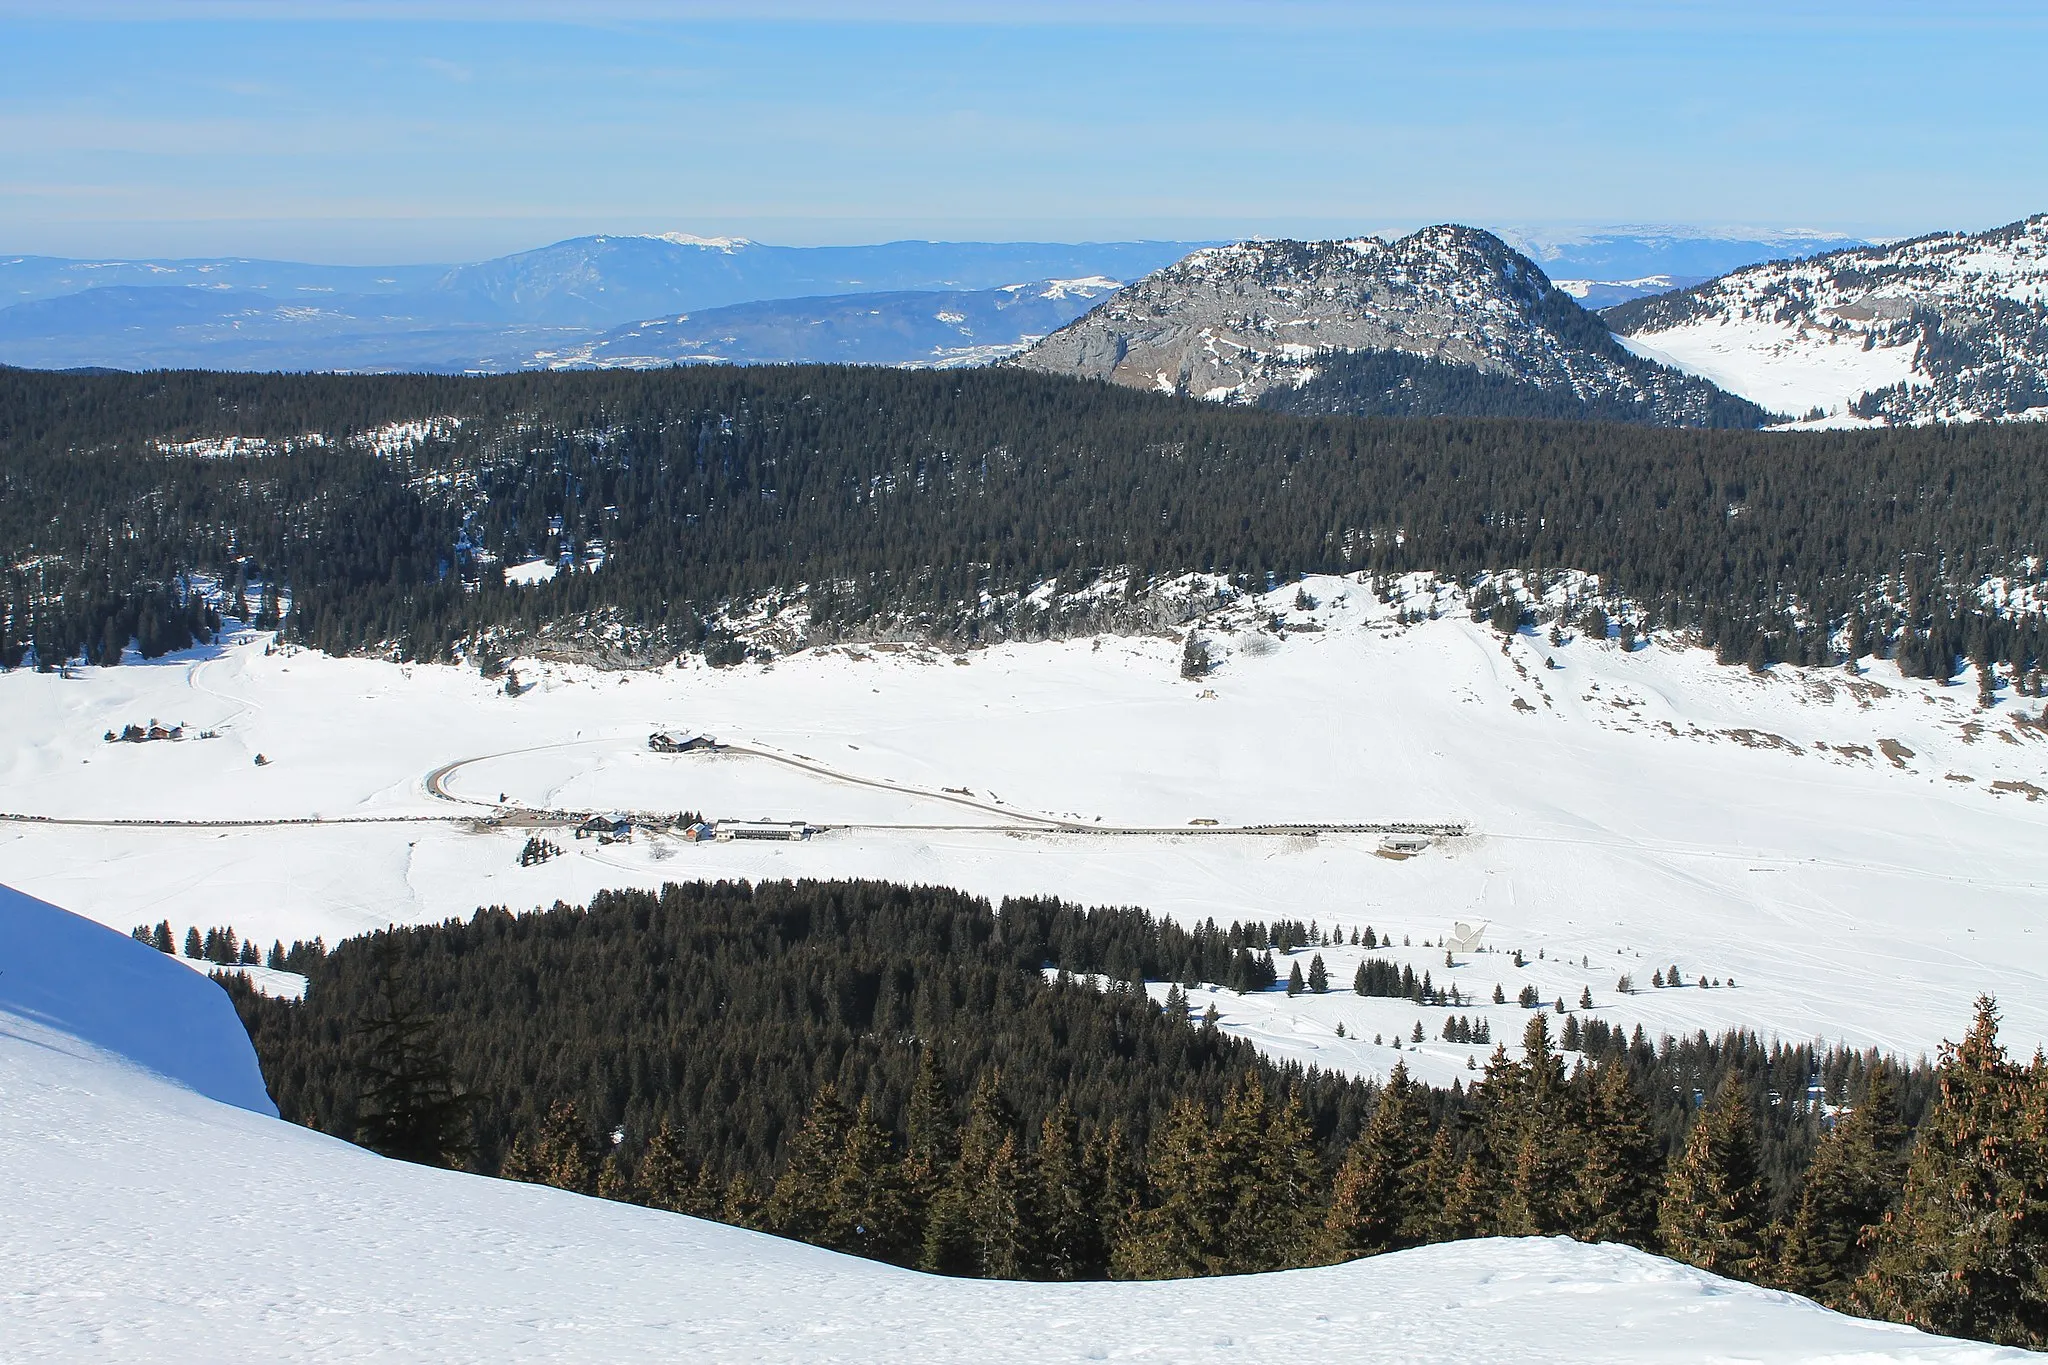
(906, 495)
(914, 1075)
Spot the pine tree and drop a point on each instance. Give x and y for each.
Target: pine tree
(801, 1205)
(1173, 1235)
(1620, 1169)
(1714, 1213)
(612, 1180)
(1377, 1204)
(1533, 1139)
(1318, 975)
(161, 940)
(409, 1105)
(1295, 985)
(931, 1141)
(1272, 1222)
(194, 949)
(1117, 1178)
(977, 1221)
(742, 1203)
(1965, 1251)
(664, 1179)
(1067, 1209)
(1854, 1177)
(999, 1215)
(870, 1214)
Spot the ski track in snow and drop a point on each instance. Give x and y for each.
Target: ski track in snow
(1630, 811)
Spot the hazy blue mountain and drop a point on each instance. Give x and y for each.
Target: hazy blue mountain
(1604, 266)
(1618, 253)
(500, 314)
(609, 281)
(909, 327)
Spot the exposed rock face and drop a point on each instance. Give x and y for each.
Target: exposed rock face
(1948, 327)
(1236, 323)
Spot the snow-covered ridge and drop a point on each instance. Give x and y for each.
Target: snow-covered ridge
(1234, 322)
(126, 1239)
(725, 244)
(1944, 328)
(123, 999)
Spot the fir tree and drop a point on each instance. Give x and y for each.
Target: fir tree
(870, 1214)
(1617, 1186)
(802, 1202)
(664, 1179)
(1531, 1136)
(409, 1105)
(1854, 1177)
(1965, 1251)
(1172, 1235)
(1714, 1213)
(1375, 1204)
(1067, 1214)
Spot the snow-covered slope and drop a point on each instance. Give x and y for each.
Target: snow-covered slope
(71, 975)
(1944, 328)
(145, 1222)
(1235, 323)
(1863, 855)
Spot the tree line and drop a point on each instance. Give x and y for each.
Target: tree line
(915, 1075)
(906, 496)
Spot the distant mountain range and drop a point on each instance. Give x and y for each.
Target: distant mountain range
(1670, 326)
(517, 312)
(1446, 319)
(907, 327)
(1944, 328)
(646, 300)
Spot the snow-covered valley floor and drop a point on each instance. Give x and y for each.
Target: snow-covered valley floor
(1860, 856)
(148, 1220)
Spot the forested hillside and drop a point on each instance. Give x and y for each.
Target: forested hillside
(383, 509)
(901, 1073)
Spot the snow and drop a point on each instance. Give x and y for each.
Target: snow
(1862, 855)
(1784, 367)
(147, 1222)
(68, 975)
(1818, 333)
(531, 572)
(397, 438)
(728, 245)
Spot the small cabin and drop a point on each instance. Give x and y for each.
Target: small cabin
(672, 742)
(605, 829)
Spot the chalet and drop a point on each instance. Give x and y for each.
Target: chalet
(673, 742)
(727, 830)
(697, 832)
(606, 829)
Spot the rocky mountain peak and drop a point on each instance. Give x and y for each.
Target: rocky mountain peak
(1254, 320)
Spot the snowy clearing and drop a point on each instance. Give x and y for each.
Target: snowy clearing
(1862, 855)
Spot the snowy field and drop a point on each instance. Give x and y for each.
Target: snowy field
(122, 1245)
(1859, 856)
(1784, 367)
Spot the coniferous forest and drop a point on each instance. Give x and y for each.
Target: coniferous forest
(379, 510)
(913, 1075)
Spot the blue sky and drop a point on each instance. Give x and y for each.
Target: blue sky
(445, 130)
